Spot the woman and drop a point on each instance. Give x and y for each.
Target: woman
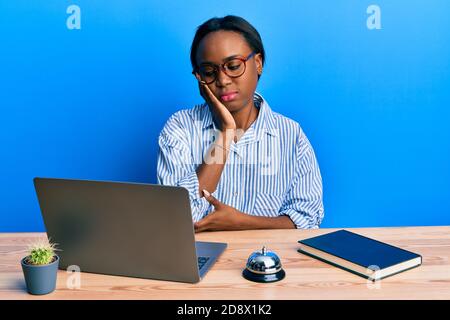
(245, 166)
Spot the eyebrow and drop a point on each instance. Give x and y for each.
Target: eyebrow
(223, 60)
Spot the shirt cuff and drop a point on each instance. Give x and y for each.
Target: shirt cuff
(300, 220)
(199, 205)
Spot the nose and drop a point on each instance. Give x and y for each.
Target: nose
(222, 78)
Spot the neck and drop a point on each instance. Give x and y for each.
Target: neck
(244, 118)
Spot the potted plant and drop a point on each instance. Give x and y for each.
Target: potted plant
(40, 267)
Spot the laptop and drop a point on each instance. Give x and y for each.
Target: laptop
(124, 229)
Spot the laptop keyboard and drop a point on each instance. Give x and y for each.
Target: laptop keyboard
(202, 261)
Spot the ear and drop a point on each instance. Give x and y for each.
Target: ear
(258, 62)
(197, 76)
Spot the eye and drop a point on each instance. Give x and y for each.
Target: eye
(207, 71)
(234, 65)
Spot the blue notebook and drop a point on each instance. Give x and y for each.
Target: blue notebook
(360, 255)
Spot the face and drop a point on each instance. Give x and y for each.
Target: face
(216, 48)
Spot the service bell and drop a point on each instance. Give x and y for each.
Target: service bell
(263, 266)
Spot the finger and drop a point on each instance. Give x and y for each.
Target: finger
(200, 87)
(198, 227)
(210, 96)
(216, 203)
(219, 110)
(202, 225)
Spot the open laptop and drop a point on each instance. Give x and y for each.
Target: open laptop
(125, 229)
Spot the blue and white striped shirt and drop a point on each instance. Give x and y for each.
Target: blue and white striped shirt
(271, 171)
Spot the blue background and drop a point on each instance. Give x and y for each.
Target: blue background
(90, 103)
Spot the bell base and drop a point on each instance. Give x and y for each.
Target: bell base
(264, 278)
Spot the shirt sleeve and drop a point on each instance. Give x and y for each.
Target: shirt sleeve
(176, 165)
(303, 202)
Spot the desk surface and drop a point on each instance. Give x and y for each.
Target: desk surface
(306, 278)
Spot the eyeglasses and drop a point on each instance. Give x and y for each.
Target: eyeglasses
(233, 68)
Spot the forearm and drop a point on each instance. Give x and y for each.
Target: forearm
(255, 222)
(210, 171)
(209, 176)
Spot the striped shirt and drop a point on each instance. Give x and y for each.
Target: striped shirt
(270, 171)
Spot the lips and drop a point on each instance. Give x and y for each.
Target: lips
(229, 96)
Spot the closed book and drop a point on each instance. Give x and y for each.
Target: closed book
(360, 255)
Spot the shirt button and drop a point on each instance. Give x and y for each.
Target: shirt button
(235, 194)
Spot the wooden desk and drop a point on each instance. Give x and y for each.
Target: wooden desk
(306, 278)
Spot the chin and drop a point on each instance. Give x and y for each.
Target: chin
(233, 106)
